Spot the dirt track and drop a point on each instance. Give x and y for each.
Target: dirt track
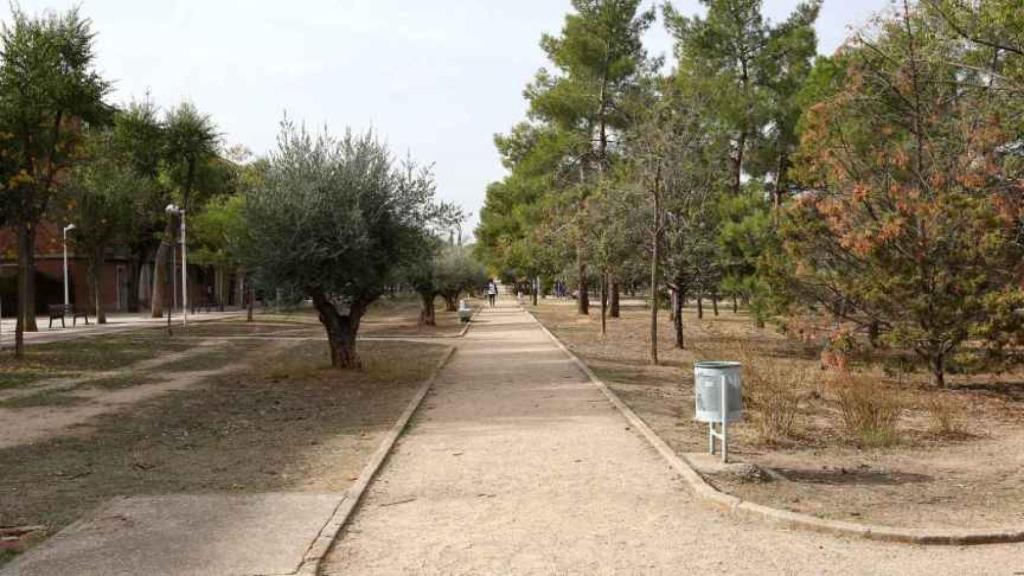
(517, 465)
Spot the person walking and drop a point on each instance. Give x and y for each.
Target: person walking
(492, 292)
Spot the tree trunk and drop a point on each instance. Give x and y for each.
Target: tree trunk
(735, 305)
(700, 305)
(939, 369)
(536, 290)
(450, 303)
(251, 297)
(221, 287)
(428, 317)
(96, 279)
(25, 271)
(27, 274)
(604, 304)
(156, 297)
(134, 269)
(341, 331)
(655, 270)
(737, 163)
(672, 296)
(714, 302)
(614, 311)
(582, 296)
(677, 320)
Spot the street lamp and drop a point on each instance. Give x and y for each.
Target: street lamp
(174, 209)
(68, 228)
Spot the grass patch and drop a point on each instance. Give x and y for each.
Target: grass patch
(121, 381)
(213, 358)
(47, 398)
(14, 377)
(84, 355)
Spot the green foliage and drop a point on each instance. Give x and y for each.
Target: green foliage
(337, 218)
(457, 273)
(910, 229)
(745, 235)
(219, 231)
(190, 143)
(540, 217)
(48, 89)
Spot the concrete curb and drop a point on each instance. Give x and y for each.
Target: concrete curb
(711, 496)
(320, 547)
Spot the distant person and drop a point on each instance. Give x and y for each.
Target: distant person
(492, 292)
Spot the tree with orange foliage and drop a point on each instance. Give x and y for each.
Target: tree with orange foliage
(910, 226)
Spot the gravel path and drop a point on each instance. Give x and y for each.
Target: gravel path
(516, 464)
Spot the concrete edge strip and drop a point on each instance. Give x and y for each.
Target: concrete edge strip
(324, 541)
(732, 504)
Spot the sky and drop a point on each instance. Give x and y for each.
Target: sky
(435, 79)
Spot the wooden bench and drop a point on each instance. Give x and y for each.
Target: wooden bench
(61, 311)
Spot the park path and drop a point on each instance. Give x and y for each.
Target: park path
(517, 464)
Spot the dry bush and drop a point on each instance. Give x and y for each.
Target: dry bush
(869, 410)
(773, 390)
(945, 415)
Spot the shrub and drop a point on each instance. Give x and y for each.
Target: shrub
(773, 390)
(869, 410)
(946, 415)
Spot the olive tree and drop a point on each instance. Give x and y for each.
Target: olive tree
(336, 220)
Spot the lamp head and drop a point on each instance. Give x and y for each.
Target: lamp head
(172, 209)
(70, 227)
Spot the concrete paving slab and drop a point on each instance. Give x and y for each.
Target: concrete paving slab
(185, 535)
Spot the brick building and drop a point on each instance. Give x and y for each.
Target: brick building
(204, 282)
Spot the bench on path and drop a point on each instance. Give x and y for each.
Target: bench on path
(61, 311)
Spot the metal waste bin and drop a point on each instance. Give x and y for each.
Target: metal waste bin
(465, 312)
(718, 393)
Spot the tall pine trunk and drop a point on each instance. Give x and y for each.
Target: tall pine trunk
(655, 270)
(677, 320)
(700, 304)
(604, 304)
(582, 295)
(714, 302)
(614, 311)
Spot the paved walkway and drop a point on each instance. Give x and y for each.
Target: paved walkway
(518, 465)
(116, 322)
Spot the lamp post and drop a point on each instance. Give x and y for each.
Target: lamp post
(67, 300)
(174, 209)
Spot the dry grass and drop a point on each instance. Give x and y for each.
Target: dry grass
(918, 481)
(868, 410)
(945, 415)
(286, 422)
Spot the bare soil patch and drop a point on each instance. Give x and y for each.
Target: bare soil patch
(400, 318)
(968, 473)
(284, 422)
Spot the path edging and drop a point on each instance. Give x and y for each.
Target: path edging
(323, 543)
(722, 501)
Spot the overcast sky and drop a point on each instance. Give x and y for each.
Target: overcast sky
(436, 78)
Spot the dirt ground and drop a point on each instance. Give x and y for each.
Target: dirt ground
(970, 478)
(210, 411)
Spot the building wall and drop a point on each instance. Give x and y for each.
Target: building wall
(116, 271)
